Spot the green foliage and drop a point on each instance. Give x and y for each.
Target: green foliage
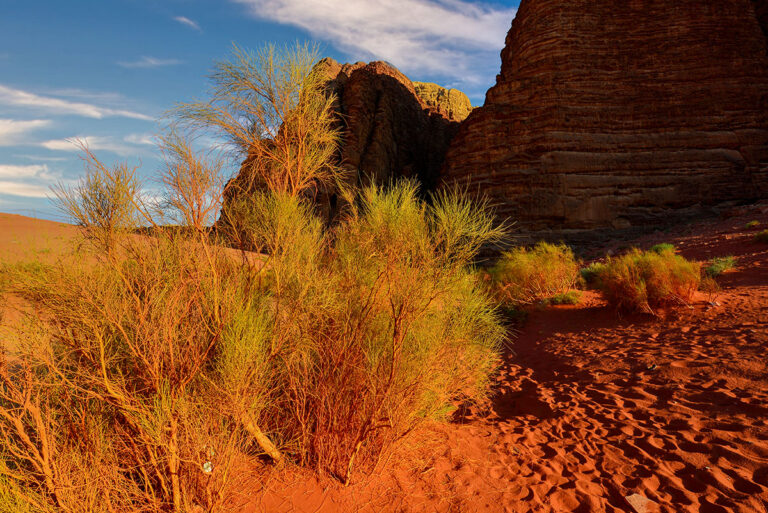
(529, 275)
(762, 237)
(277, 115)
(591, 274)
(752, 225)
(572, 297)
(155, 363)
(662, 248)
(103, 203)
(719, 265)
(644, 280)
(326, 350)
(392, 325)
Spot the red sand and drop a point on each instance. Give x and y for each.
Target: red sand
(590, 409)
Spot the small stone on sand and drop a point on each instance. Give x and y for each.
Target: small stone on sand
(638, 502)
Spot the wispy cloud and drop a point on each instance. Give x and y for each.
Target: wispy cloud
(452, 38)
(31, 181)
(27, 190)
(128, 146)
(141, 139)
(50, 104)
(186, 21)
(40, 158)
(13, 131)
(150, 62)
(19, 172)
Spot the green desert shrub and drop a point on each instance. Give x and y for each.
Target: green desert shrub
(762, 237)
(177, 359)
(752, 225)
(383, 324)
(590, 274)
(572, 297)
(529, 275)
(645, 280)
(155, 362)
(719, 265)
(664, 247)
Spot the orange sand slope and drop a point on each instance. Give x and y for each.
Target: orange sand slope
(594, 413)
(24, 238)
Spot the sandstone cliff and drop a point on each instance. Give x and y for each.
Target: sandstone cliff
(614, 114)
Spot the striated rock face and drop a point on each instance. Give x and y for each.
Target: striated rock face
(618, 114)
(451, 103)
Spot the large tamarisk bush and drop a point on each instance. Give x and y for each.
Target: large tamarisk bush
(375, 326)
(155, 363)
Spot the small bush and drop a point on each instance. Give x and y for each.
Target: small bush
(752, 225)
(591, 274)
(719, 265)
(709, 286)
(529, 275)
(664, 247)
(643, 281)
(572, 297)
(762, 237)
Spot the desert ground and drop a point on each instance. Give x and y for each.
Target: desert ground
(592, 411)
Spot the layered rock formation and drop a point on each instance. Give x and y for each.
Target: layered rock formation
(616, 114)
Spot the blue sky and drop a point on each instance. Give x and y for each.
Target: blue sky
(105, 71)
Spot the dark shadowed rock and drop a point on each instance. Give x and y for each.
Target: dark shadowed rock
(389, 131)
(761, 9)
(618, 114)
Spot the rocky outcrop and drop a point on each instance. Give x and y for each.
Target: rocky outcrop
(389, 131)
(619, 114)
(451, 103)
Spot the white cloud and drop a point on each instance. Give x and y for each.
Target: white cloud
(186, 21)
(32, 181)
(142, 139)
(19, 98)
(41, 159)
(453, 38)
(27, 190)
(11, 171)
(150, 62)
(13, 131)
(123, 148)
